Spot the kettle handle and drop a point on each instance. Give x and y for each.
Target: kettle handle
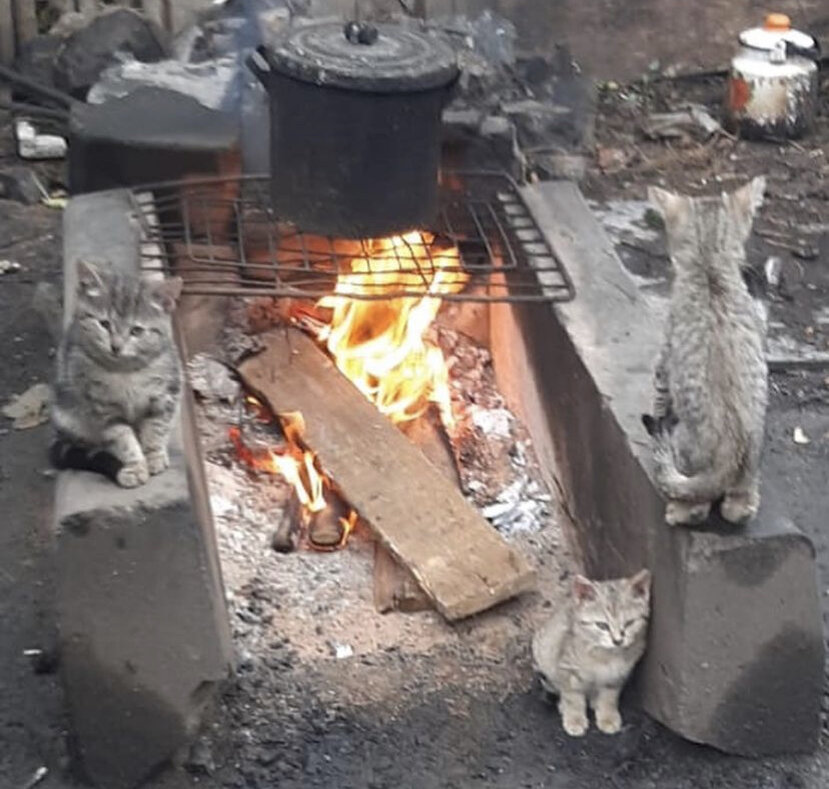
(258, 64)
(812, 52)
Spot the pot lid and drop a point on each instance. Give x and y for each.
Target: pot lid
(385, 58)
(776, 28)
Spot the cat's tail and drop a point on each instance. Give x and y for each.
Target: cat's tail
(706, 486)
(46, 302)
(65, 454)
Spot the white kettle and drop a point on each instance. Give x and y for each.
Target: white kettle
(773, 82)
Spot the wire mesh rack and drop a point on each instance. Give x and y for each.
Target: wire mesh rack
(223, 238)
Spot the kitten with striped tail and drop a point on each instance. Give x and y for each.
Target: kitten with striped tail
(711, 376)
(119, 376)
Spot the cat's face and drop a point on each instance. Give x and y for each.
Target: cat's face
(612, 614)
(708, 229)
(121, 319)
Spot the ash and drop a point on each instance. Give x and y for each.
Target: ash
(311, 650)
(498, 468)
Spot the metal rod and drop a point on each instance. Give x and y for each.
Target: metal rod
(16, 78)
(35, 109)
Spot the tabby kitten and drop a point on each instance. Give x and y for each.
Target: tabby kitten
(119, 377)
(587, 650)
(711, 376)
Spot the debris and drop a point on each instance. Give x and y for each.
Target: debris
(200, 759)
(86, 53)
(611, 160)
(33, 145)
(36, 778)
(691, 121)
(342, 651)
(212, 380)
(9, 266)
(492, 421)
(800, 437)
(213, 84)
(29, 409)
(57, 200)
(772, 269)
(32, 652)
(18, 184)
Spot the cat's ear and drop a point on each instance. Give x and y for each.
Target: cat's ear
(668, 204)
(640, 584)
(584, 589)
(166, 292)
(90, 279)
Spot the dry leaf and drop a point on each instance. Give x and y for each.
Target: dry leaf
(29, 409)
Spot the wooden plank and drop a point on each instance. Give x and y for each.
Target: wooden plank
(459, 560)
(395, 588)
(25, 20)
(6, 32)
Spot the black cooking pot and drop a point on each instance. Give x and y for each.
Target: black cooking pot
(355, 126)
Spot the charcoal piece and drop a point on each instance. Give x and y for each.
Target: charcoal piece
(86, 53)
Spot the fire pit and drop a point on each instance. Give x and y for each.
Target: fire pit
(371, 305)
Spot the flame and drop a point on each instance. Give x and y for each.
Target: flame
(380, 345)
(298, 466)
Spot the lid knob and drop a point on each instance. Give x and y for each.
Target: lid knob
(361, 32)
(777, 22)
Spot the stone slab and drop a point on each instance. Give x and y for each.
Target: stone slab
(735, 657)
(141, 612)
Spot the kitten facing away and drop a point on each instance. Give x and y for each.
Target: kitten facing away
(585, 653)
(711, 376)
(119, 376)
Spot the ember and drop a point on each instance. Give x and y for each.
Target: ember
(326, 518)
(380, 344)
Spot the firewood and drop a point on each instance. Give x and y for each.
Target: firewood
(420, 516)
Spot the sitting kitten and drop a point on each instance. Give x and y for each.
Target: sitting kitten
(586, 652)
(119, 377)
(711, 376)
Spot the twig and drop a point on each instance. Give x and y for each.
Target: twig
(38, 776)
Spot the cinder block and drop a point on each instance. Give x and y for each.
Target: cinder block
(736, 652)
(141, 610)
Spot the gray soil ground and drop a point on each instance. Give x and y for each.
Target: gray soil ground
(284, 722)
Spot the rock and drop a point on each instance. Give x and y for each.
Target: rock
(18, 184)
(87, 52)
(36, 60)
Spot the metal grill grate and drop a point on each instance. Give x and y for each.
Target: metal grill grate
(223, 238)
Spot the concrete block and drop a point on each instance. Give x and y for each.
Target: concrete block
(735, 655)
(141, 611)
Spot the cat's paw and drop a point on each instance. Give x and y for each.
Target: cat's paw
(133, 475)
(157, 461)
(738, 509)
(574, 724)
(680, 513)
(609, 721)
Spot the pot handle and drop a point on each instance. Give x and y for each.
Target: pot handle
(258, 64)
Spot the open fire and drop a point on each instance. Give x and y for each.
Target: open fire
(380, 345)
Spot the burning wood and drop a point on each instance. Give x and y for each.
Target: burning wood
(380, 345)
(326, 518)
(418, 514)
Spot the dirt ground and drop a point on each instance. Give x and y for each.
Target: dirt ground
(282, 722)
